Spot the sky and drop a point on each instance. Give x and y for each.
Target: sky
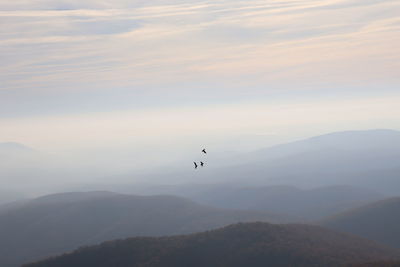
(236, 75)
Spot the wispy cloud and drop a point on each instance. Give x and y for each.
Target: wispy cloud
(70, 47)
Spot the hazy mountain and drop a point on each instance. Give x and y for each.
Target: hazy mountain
(12, 147)
(379, 221)
(26, 172)
(9, 196)
(57, 223)
(252, 244)
(22, 169)
(4, 207)
(348, 140)
(303, 204)
(358, 158)
(308, 205)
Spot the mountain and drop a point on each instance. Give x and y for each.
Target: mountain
(61, 222)
(357, 158)
(251, 244)
(11, 151)
(8, 196)
(4, 207)
(23, 168)
(379, 221)
(307, 204)
(303, 204)
(347, 140)
(12, 147)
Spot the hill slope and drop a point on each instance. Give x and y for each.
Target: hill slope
(379, 221)
(62, 222)
(307, 205)
(251, 244)
(312, 204)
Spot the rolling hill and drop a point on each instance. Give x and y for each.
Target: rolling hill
(304, 204)
(58, 223)
(251, 244)
(379, 221)
(309, 205)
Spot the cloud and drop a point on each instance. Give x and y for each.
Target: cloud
(92, 49)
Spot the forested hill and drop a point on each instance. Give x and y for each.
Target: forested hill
(245, 244)
(377, 221)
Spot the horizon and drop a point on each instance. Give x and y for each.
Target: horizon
(89, 171)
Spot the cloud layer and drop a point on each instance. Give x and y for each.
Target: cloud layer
(86, 44)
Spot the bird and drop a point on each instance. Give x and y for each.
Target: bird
(195, 165)
(201, 163)
(204, 151)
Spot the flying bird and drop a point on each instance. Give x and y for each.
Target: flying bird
(204, 151)
(201, 163)
(195, 165)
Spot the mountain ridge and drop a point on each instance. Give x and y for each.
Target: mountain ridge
(245, 244)
(378, 221)
(49, 225)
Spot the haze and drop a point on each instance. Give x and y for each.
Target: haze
(106, 106)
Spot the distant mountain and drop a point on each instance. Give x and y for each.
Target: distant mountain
(251, 244)
(14, 149)
(29, 172)
(58, 223)
(358, 158)
(309, 205)
(4, 207)
(14, 146)
(74, 197)
(379, 221)
(303, 204)
(13, 163)
(7, 196)
(347, 140)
